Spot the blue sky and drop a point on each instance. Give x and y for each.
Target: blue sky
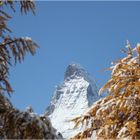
(89, 33)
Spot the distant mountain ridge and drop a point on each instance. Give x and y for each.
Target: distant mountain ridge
(71, 99)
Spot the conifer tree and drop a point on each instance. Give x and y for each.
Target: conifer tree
(12, 49)
(16, 124)
(117, 116)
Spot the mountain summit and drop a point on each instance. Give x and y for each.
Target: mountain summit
(71, 98)
(73, 71)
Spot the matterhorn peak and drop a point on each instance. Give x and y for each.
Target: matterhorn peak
(71, 98)
(74, 70)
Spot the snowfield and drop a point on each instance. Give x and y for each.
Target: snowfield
(71, 99)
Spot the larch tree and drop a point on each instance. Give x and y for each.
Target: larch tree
(117, 116)
(16, 124)
(12, 49)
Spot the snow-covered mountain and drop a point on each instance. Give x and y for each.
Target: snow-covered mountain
(71, 99)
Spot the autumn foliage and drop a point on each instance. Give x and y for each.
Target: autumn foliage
(12, 49)
(117, 116)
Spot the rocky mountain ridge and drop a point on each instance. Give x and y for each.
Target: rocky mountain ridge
(71, 99)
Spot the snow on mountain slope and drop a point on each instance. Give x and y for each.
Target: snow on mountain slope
(73, 97)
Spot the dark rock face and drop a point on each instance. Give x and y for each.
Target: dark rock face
(90, 94)
(74, 70)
